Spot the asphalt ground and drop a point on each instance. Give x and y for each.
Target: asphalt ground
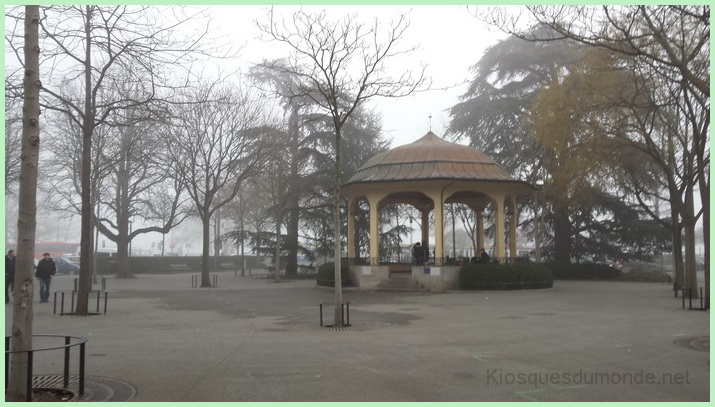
(260, 341)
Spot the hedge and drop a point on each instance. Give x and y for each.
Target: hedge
(582, 271)
(516, 276)
(326, 275)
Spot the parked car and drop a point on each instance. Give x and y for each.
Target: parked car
(66, 266)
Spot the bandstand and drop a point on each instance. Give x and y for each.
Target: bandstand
(428, 174)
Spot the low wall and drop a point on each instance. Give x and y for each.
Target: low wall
(437, 278)
(178, 264)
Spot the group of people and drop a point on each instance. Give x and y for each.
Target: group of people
(44, 271)
(421, 255)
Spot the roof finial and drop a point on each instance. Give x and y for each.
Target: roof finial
(430, 122)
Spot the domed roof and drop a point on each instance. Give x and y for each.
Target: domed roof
(430, 158)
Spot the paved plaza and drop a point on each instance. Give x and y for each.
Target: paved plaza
(255, 340)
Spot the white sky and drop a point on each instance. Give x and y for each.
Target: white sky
(449, 38)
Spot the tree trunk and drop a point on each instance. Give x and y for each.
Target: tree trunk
(691, 277)
(337, 316)
(86, 263)
(678, 269)
(205, 277)
(562, 236)
(705, 199)
(294, 195)
(538, 222)
(277, 251)
(292, 241)
(123, 265)
(27, 215)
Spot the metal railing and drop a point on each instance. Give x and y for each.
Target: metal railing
(196, 280)
(72, 292)
(81, 342)
(704, 297)
(444, 261)
(344, 314)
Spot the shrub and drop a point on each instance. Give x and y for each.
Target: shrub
(326, 274)
(584, 271)
(646, 276)
(516, 276)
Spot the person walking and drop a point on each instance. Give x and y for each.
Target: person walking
(46, 269)
(9, 274)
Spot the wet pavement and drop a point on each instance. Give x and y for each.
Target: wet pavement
(256, 340)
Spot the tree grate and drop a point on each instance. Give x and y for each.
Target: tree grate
(96, 388)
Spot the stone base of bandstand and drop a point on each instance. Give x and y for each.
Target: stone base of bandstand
(369, 277)
(437, 279)
(434, 278)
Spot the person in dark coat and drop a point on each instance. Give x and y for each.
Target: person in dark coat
(46, 269)
(9, 274)
(425, 255)
(418, 254)
(484, 257)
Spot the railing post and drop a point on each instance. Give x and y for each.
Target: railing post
(690, 298)
(66, 378)
(105, 303)
(81, 367)
(62, 306)
(7, 359)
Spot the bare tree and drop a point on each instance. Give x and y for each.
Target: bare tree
(13, 136)
(136, 186)
(24, 287)
(97, 46)
(214, 143)
(340, 65)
